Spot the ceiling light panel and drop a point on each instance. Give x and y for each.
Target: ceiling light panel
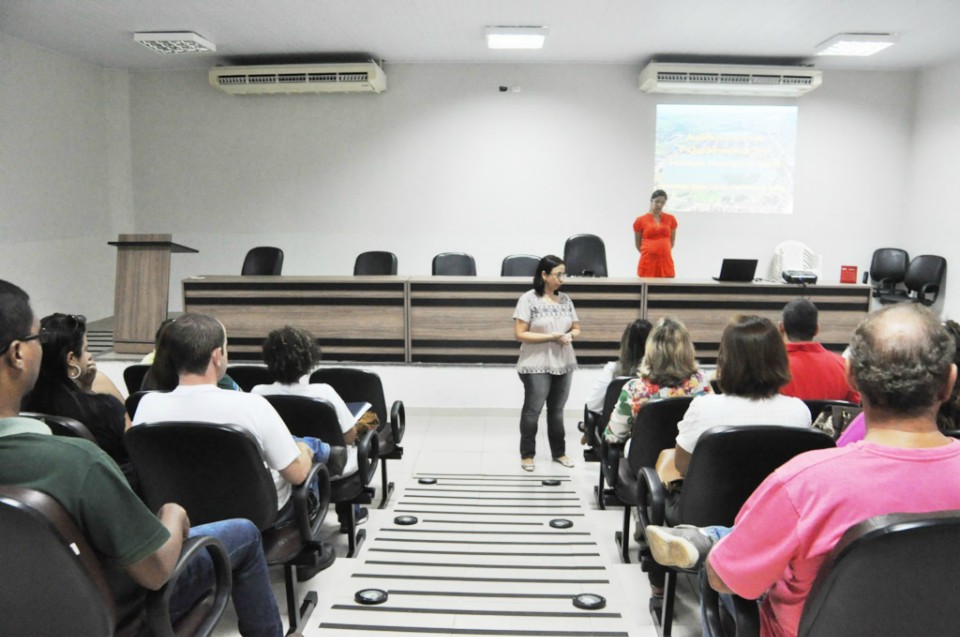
(172, 43)
(515, 37)
(856, 44)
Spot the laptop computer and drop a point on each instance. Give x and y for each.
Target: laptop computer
(739, 270)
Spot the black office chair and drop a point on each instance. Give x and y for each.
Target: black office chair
(454, 264)
(585, 255)
(263, 260)
(361, 385)
(375, 263)
(216, 472)
(133, 376)
(861, 588)
(519, 265)
(249, 376)
(654, 430)
(841, 413)
(317, 418)
(54, 584)
(727, 465)
(923, 280)
(888, 267)
(594, 424)
(62, 426)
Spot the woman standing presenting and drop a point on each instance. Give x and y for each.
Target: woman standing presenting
(654, 235)
(545, 323)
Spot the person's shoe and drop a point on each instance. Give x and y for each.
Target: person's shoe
(360, 515)
(337, 461)
(323, 559)
(565, 461)
(681, 546)
(527, 464)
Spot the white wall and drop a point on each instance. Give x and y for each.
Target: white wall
(930, 215)
(58, 134)
(444, 161)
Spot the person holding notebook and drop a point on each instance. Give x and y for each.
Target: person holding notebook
(655, 234)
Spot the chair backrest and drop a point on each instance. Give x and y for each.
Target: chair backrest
(454, 264)
(53, 583)
(655, 429)
(305, 416)
(213, 471)
(133, 376)
(249, 376)
(519, 265)
(585, 255)
(729, 463)
(924, 269)
(62, 426)
(889, 265)
(888, 576)
(263, 260)
(375, 263)
(817, 407)
(795, 255)
(360, 385)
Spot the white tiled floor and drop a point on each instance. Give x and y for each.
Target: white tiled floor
(477, 443)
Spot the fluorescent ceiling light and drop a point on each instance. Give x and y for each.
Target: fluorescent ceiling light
(856, 44)
(177, 42)
(515, 37)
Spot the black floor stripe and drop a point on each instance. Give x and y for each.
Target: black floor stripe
(489, 506)
(536, 481)
(434, 490)
(515, 515)
(558, 533)
(436, 541)
(396, 591)
(461, 497)
(464, 611)
(474, 631)
(522, 567)
(507, 580)
(472, 521)
(520, 554)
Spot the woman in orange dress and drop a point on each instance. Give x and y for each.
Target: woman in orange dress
(654, 234)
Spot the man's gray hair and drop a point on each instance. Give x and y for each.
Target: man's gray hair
(900, 357)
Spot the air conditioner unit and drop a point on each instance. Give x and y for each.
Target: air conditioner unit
(360, 77)
(728, 79)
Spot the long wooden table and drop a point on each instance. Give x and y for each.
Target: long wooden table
(462, 320)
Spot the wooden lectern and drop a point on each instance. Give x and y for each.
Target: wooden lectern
(143, 284)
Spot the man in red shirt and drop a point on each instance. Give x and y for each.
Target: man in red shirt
(817, 373)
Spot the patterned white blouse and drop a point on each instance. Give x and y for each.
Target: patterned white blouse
(545, 317)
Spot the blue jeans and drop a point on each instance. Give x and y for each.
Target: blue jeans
(257, 612)
(321, 453)
(715, 532)
(538, 389)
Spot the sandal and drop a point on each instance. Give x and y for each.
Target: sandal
(565, 461)
(527, 464)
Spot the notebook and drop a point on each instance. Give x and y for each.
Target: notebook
(740, 270)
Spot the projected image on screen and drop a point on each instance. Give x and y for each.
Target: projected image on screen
(726, 158)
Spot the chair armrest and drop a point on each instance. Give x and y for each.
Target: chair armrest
(928, 288)
(368, 454)
(158, 602)
(747, 613)
(398, 421)
(651, 497)
(610, 455)
(590, 420)
(301, 502)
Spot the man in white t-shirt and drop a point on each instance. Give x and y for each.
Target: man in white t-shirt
(197, 347)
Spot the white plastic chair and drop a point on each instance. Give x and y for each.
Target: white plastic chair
(795, 255)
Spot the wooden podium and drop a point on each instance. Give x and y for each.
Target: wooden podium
(142, 289)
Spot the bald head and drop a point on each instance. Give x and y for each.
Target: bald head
(900, 359)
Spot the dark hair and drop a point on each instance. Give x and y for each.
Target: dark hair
(948, 417)
(658, 193)
(189, 341)
(900, 357)
(800, 320)
(632, 345)
(161, 376)
(546, 265)
(55, 392)
(16, 316)
(290, 353)
(752, 361)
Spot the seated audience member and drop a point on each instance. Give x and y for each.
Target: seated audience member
(64, 388)
(161, 376)
(138, 549)
(668, 370)
(816, 373)
(901, 361)
(291, 353)
(632, 345)
(948, 416)
(197, 350)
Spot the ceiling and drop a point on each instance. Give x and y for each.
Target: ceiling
(444, 31)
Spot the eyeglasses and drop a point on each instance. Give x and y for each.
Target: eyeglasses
(39, 336)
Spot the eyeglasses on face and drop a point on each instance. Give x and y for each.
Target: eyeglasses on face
(41, 336)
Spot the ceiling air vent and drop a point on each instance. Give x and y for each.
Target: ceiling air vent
(726, 79)
(362, 77)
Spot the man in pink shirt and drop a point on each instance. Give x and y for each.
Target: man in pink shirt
(901, 362)
(818, 374)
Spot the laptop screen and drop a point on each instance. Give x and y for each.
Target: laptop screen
(741, 270)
